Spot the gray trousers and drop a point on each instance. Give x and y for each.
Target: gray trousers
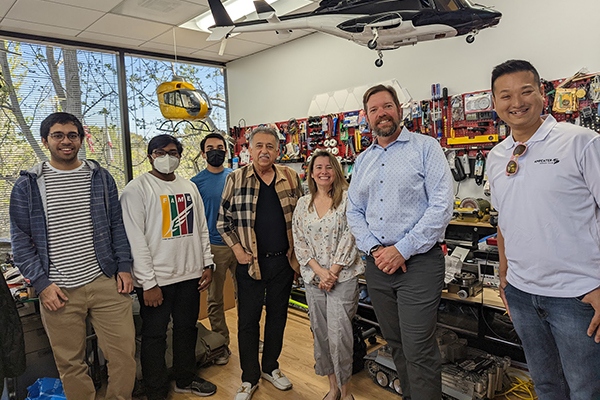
(331, 316)
(406, 306)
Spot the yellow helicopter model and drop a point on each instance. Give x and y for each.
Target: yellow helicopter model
(181, 101)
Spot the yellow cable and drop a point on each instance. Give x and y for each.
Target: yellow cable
(521, 388)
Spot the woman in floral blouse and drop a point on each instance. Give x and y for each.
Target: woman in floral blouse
(330, 264)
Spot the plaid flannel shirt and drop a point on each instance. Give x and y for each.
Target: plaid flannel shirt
(236, 217)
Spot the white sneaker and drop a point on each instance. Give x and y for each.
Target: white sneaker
(245, 391)
(278, 379)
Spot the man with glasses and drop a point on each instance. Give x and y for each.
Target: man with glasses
(545, 184)
(68, 239)
(172, 263)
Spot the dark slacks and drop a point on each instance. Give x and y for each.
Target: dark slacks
(277, 277)
(182, 302)
(406, 307)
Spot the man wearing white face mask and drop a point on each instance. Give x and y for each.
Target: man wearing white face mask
(172, 263)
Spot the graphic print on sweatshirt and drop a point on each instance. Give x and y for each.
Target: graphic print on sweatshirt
(177, 214)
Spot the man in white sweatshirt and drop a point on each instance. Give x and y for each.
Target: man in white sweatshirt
(172, 263)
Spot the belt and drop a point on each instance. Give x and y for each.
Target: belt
(276, 254)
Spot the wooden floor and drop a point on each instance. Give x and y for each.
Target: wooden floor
(296, 361)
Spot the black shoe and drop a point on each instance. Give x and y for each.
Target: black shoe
(199, 387)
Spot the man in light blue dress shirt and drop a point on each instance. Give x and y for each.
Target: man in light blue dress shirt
(400, 202)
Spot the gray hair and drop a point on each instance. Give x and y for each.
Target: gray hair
(263, 129)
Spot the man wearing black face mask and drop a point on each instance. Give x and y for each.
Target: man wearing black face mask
(210, 183)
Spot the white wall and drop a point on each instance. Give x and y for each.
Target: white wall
(558, 37)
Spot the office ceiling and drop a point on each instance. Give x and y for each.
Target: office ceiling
(146, 25)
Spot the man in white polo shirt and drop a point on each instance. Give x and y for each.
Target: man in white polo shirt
(545, 183)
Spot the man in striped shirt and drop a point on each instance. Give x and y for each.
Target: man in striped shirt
(68, 239)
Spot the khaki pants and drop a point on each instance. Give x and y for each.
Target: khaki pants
(224, 261)
(111, 315)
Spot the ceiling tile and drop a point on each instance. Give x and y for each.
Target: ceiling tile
(173, 12)
(111, 40)
(168, 48)
(184, 37)
(36, 28)
(214, 55)
(104, 5)
(5, 6)
(53, 14)
(119, 25)
(203, 2)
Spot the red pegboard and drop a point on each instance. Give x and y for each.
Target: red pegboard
(487, 125)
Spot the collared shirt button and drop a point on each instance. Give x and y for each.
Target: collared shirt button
(380, 181)
(383, 237)
(381, 218)
(383, 165)
(381, 199)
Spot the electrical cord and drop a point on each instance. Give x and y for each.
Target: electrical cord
(521, 388)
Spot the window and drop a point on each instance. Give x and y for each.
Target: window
(39, 79)
(143, 77)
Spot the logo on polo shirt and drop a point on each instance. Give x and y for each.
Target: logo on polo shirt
(177, 215)
(547, 161)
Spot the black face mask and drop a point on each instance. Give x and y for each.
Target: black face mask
(215, 157)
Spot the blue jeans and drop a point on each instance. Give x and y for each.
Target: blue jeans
(563, 360)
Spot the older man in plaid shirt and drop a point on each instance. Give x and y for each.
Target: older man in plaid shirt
(255, 220)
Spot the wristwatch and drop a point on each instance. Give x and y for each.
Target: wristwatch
(210, 266)
(374, 249)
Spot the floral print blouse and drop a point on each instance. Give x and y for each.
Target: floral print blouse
(328, 240)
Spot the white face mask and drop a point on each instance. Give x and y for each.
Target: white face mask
(166, 164)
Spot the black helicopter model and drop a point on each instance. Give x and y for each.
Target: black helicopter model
(377, 24)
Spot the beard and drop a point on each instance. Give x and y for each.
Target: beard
(386, 131)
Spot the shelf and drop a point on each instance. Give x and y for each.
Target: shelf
(476, 224)
(505, 342)
(456, 329)
(491, 298)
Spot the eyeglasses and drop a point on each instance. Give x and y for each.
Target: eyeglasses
(513, 166)
(59, 136)
(160, 153)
